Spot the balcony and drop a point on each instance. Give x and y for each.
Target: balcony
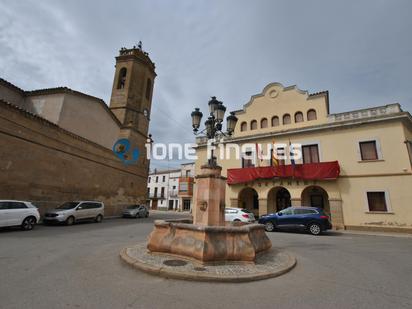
(309, 171)
(185, 186)
(156, 196)
(174, 193)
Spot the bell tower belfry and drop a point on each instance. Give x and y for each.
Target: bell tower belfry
(131, 99)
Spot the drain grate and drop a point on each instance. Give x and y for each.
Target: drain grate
(174, 263)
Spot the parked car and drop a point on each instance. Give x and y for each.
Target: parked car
(18, 213)
(312, 219)
(135, 211)
(239, 215)
(70, 212)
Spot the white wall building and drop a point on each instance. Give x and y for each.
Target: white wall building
(171, 189)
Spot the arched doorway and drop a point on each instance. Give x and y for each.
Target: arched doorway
(278, 199)
(315, 196)
(249, 199)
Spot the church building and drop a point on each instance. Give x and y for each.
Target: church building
(56, 143)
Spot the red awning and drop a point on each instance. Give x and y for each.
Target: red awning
(309, 171)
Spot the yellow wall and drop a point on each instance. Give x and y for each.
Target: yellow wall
(337, 140)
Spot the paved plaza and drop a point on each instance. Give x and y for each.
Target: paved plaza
(79, 267)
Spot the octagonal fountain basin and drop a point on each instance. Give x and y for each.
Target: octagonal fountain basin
(208, 244)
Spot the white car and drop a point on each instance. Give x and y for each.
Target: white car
(18, 213)
(239, 215)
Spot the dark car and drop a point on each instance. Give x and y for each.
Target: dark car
(136, 211)
(312, 219)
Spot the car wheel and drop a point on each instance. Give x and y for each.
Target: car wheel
(147, 215)
(314, 229)
(70, 220)
(269, 226)
(99, 218)
(28, 223)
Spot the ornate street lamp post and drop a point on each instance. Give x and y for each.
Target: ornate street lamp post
(213, 124)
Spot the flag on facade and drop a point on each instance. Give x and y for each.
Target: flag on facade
(275, 161)
(259, 154)
(292, 160)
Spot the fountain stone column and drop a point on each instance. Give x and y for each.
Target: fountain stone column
(209, 205)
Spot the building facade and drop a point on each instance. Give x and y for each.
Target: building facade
(56, 144)
(356, 165)
(171, 189)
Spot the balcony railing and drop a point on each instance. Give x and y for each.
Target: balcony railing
(309, 171)
(173, 193)
(155, 196)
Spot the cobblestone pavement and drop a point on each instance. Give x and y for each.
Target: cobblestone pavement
(79, 267)
(269, 264)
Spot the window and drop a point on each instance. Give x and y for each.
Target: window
(299, 117)
(377, 201)
(275, 121)
(286, 119)
(149, 180)
(311, 115)
(155, 192)
(122, 78)
(187, 173)
(368, 150)
(304, 211)
(263, 123)
(310, 154)
(287, 212)
(16, 205)
(164, 178)
(3, 205)
(157, 179)
(253, 125)
(162, 192)
(148, 88)
(90, 205)
(186, 205)
(247, 162)
(148, 191)
(183, 187)
(243, 126)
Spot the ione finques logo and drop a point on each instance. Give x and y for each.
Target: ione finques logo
(223, 151)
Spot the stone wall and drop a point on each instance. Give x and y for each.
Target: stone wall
(42, 163)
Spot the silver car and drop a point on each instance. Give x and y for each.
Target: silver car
(70, 212)
(135, 211)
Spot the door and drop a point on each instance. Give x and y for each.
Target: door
(4, 214)
(154, 204)
(316, 200)
(285, 218)
(82, 211)
(17, 212)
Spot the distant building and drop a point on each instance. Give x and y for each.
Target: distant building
(356, 165)
(56, 144)
(171, 189)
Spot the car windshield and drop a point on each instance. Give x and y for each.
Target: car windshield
(133, 207)
(68, 205)
(247, 211)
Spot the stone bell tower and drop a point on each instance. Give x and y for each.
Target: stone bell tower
(131, 99)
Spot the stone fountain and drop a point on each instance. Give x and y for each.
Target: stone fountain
(208, 239)
(205, 247)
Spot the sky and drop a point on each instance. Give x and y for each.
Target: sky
(361, 51)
